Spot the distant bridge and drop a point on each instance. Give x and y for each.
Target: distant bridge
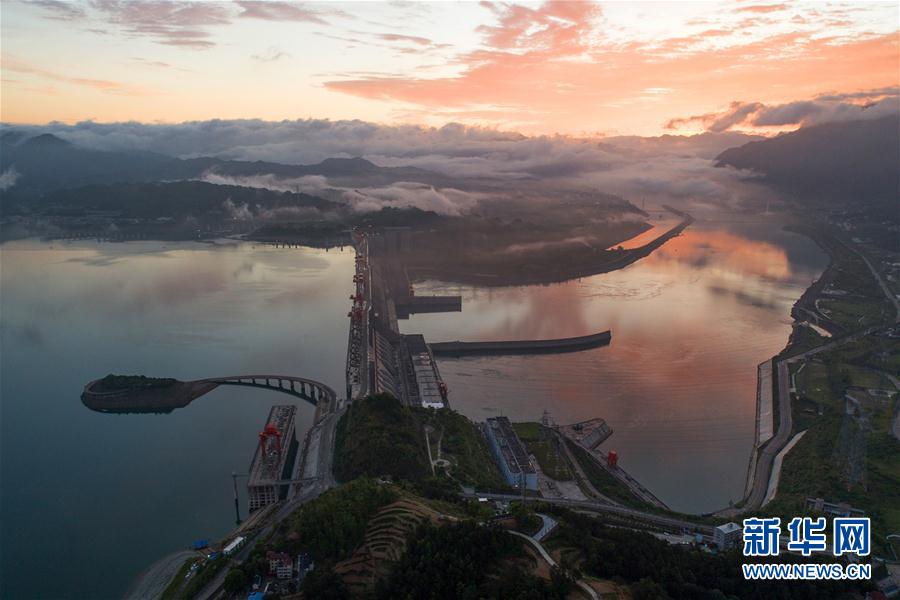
(306, 389)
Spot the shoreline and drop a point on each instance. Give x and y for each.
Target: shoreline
(623, 259)
(763, 447)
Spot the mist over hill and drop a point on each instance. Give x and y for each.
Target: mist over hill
(450, 170)
(46, 162)
(856, 162)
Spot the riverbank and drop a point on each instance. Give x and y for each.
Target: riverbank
(548, 267)
(836, 393)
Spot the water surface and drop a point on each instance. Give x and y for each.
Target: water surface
(101, 496)
(678, 382)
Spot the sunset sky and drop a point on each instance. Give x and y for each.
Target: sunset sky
(575, 68)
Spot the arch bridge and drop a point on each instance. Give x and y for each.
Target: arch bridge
(310, 390)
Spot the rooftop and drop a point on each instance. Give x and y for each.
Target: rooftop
(728, 527)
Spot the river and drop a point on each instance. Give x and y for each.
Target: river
(90, 499)
(677, 383)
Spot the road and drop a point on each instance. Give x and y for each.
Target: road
(546, 556)
(320, 480)
(785, 425)
(547, 525)
(573, 462)
(773, 446)
(622, 511)
(153, 582)
(884, 286)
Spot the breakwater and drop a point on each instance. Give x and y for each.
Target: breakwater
(572, 344)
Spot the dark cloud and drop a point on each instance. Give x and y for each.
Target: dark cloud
(867, 104)
(874, 94)
(792, 113)
(718, 122)
(738, 113)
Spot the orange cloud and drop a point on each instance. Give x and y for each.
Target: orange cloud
(553, 66)
(105, 85)
(763, 8)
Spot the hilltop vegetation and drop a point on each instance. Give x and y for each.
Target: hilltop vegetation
(836, 162)
(462, 444)
(132, 382)
(380, 437)
(331, 526)
(467, 560)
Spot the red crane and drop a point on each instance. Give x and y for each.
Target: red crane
(612, 459)
(266, 435)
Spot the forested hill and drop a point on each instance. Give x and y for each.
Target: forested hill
(47, 162)
(851, 161)
(179, 198)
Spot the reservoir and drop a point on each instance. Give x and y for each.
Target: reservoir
(104, 495)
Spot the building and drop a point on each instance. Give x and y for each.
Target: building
(233, 545)
(280, 564)
(835, 509)
(510, 453)
(597, 434)
(727, 536)
(273, 461)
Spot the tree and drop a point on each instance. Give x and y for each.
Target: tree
(647, 589)
(323, 583)
(235, 581)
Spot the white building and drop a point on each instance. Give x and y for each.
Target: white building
(727, 536)
(280, 564)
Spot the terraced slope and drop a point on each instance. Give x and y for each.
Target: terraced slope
(384, 543)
